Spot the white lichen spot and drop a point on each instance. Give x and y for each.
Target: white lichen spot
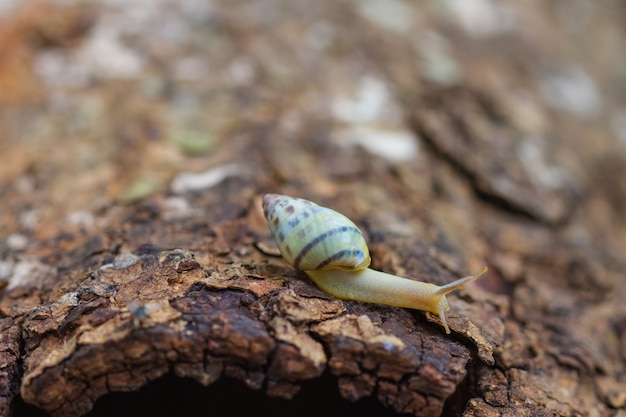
(371, 103)
(6, 268)
(29, 219)
(107, 57)
(573, 91)
(480, 17)
(394, 145)
(29, 273)
(124, 260)
(532, 155)
(178, 207)
(241, 71)
(177, 204)
(438, 62)
(188, 181)
(17, 241)
(395, 15)
(83, 219)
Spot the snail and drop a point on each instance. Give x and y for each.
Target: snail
(332, 251)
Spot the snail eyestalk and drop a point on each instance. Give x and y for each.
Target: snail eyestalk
(332, 251)
(447, 289)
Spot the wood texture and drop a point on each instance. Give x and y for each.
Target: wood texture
(133, 245)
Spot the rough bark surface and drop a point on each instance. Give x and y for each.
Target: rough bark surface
(136, 141)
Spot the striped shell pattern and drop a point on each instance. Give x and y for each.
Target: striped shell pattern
(311, 237)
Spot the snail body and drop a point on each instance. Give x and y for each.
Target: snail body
(332, 251)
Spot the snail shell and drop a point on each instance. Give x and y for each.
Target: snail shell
(311, 237)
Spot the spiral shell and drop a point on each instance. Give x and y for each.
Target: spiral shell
(311, 237)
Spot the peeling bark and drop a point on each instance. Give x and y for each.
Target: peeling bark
(132, 240)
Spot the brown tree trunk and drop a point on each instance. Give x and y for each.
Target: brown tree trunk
(136, 143)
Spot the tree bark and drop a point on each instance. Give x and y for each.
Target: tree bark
(133, 244)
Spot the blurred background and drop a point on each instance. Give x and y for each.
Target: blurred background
(107, 101)
(487, 131)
